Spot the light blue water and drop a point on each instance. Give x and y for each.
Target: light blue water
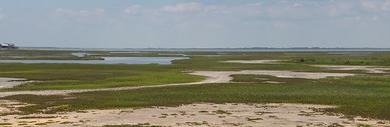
(107, 60)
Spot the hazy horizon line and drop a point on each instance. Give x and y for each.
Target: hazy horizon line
(310, 47)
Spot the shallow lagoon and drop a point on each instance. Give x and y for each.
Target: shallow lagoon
(107, 60)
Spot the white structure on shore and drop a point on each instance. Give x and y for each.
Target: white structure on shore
(8, 46)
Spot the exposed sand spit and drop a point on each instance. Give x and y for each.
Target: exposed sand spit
(225, 76)
(368, 69)
(212, 77)
(203, 114)
(254, 61)
(11, 82)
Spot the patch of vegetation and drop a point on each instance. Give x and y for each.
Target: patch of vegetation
(364, 125)
(84, 76)
(243, 78)
(44, 55)
(343, 58)
(37, 117)
(335, 125)
(2, 124)
(222, 112)
(203, 63)
(367, 96)
(253, 119)
(364, 95)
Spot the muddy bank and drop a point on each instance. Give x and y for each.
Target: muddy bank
(201, 114)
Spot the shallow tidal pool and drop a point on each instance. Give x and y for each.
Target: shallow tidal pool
(107, 60)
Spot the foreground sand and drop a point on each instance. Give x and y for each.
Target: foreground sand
(200, 114)
(211, 77)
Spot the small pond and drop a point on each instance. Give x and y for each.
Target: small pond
(107, 60)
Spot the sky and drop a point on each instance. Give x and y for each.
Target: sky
(195, 23)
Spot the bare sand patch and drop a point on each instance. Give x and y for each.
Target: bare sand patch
(211, 77)
(273, 82)
(7, 106)
(254, 61)
(201, 114)
(225, 76)
(11, 82)
(368, 69)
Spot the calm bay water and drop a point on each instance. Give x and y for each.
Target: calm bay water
(107, 60)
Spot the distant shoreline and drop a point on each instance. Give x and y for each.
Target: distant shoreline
(254, 49)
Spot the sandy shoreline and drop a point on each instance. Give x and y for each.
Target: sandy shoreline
(199, 114)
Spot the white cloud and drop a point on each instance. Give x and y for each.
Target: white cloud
(80, 13)
(194, 7)
(318, 10)
(368, 4)
(184, 7)
(297, 5)
(285, 10)
(376, 5)
(386, 6)
(133, 9)
(341, 9)
(275, 10)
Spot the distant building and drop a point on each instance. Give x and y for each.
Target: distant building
(8, 46)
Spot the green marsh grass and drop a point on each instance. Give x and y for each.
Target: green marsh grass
(83, 76)
(367, 96)
(364, 95)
